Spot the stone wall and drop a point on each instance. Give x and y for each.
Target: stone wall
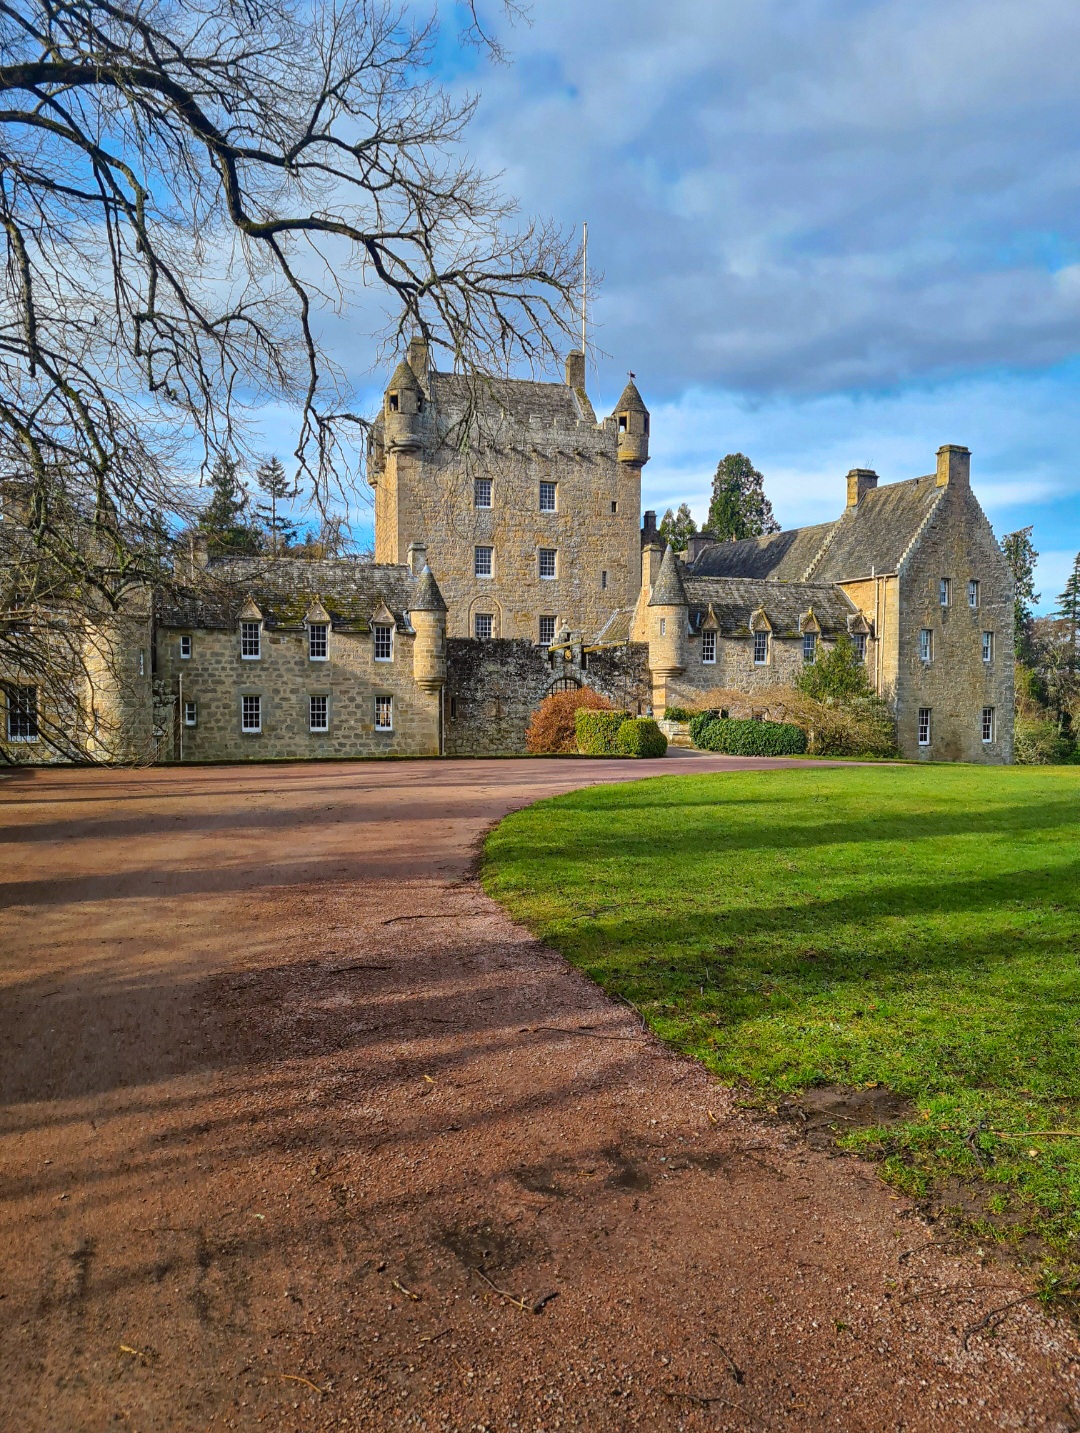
(735, 670)
(216, 677)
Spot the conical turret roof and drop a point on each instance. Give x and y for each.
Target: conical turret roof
(668, 589)
(631, 400)
(428, 597)
(404, 377)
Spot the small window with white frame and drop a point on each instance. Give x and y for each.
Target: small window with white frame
(973, 593)
(858, 641)
(924, 726)
(483, 561)
(319, 642)
(191, 713)
(809, 648)
(945, 591)
(547, 497)
(547, 631)
(663, 626)
(251, 641)
(987, 724)
(708, 648)
(22, 714)
(926, 645)
(988, 647)
(482, 492)
(383, 640)
(185, 648)
(318, 713)
(547, 561)
(483, 624)
(761, 648)
(251, 715)
(384, 714)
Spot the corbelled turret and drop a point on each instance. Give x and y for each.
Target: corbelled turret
(632, 419)
(402, 407)
(668, 634)
(427, 613)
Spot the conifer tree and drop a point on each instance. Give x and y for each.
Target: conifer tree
(676, 528)
(273, 480)
(1068, 612)
(222, 520)
(739, 507)
(1020, 556)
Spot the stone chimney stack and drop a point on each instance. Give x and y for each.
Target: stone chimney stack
(953, 466)
(696, 545)
(575, 369)
(860, 481)
(416, 558)
(649, 530)
(652, 555)
(419, 359)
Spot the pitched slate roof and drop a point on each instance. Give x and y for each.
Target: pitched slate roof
(735, 599)
(874, 535)
(513, 400)
(617, 627)
(284, 588)
(668, 588)
(783, 556)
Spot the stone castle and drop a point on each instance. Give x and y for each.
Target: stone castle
(511, 561)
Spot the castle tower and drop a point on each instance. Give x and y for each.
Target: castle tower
(632, 424)
(427, 613)
(668, 634)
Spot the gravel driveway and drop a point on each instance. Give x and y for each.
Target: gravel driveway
(300, 1132)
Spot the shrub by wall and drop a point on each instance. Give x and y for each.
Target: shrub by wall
(552, 729)
(678, 714)
(699, 722)
(640, 736)
(1041, 743)
(751, 738)
(597, 730)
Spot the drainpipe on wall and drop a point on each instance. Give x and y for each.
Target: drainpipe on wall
(180, 715)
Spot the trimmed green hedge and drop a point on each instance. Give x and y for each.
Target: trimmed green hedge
(678, 714)
(750, 738)
(700, 722)
(640, 736)
(597, 731)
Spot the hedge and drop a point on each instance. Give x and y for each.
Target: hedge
(640, 736)
(597, 730)
(678, 714)
(699, 723)
(751, 738)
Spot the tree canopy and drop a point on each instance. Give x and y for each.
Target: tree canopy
(676, 528)
(739, 507)
(1021, 557)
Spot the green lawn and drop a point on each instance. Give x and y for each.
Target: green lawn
(917, 927)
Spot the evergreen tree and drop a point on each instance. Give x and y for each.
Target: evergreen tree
(227, 534)
(274, 482)
(837, 674)
(1020, 556)
(1068, 612)
(677, 528)
(739, 507)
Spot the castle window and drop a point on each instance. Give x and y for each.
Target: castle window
(547, 631)
(809, 647)
(250, 641)
(614, 505)
(22, 714)
(708, 647)
(945, 591)
(142, 662)
(924, 726)
(185, 647)
(624, 422)
(318, 714)
(318, 641)
(482, 561)
(663, 626)
(382, 635)
(251, 714)
(973, 593)
(384, 714)
(926, 645)
(603, 580)
(761, 648)
(482, 626)
(859, 642)
(988, 646)
(392, 402)
(547, 497)
(988, 723)
(453, 708)
(191, 714)
(482, 492)
(547, 562)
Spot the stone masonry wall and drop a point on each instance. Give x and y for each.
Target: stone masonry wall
(735, 670)
(216, 677)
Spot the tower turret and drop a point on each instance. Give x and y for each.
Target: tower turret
(668, 629)
(427, 613)
(632, 420)
(402, 407)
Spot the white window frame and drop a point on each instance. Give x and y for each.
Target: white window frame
(988, 723)
(245, 637)
(988, 648)
(542, 554)
(316, 630)
(31, 717)
(382, 633)
(384, 704)
(191, 713)
(924, 732)
(244, 727)
(314, 697)
(548, 489)
(663, 626)
(185, 648)
(945, 592)
(478, 619)
(708, 648)
(549, 640)
(809, 648)
(482, 488)
(926, 644)
(483, 556)
(858, 641)
(973, 592)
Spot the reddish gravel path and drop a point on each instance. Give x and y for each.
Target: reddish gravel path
(277, 1080)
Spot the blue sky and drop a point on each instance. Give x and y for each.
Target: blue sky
(834, 233)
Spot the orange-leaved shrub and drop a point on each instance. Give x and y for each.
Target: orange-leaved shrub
(553, 727)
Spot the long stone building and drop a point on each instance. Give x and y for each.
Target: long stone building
(511, 561)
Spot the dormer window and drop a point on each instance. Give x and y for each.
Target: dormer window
(383, 635)
(392, 402)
